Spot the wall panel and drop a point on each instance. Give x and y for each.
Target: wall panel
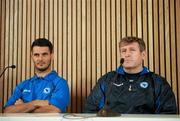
(177, 24)
(85, 34)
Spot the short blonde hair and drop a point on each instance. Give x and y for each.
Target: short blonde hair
(127, 40)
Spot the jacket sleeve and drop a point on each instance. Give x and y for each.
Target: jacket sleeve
(165, 102)
(96, 99)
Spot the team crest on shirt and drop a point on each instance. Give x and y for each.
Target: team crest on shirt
(144, 85)
(47, 90)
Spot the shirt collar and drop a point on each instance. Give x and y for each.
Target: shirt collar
(49, 76)
(120, 70)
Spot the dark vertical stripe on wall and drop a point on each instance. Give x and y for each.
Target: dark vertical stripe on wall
(85, 34)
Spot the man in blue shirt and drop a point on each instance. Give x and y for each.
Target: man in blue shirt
(45, 92)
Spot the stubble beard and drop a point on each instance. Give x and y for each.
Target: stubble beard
(43, 69)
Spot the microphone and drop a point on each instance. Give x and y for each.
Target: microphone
(12, 66)
(104, 112)
(121, 61)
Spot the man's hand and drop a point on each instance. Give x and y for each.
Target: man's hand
(40, 103)
(36, 106)
(36, 103)
(21, 107)
(47, 109)
(18, 102)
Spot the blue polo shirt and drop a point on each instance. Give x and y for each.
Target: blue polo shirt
(51, 87)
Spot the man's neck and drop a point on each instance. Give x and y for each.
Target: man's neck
(42, 73)
(133, 70)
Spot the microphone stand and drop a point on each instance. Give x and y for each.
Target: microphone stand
(104, 112)
(1, 86)
(12, 66)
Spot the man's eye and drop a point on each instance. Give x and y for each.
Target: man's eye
(36, 55)
(133, 50)
(45, 54)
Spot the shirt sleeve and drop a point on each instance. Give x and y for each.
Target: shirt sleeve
(60, 96)
(15, 96)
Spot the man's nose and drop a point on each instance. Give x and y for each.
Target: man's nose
(40, 57)
(128, 53)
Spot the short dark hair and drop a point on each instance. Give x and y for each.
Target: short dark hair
(42, 42)
(127, 40)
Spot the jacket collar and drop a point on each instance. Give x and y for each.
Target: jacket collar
(121, 71)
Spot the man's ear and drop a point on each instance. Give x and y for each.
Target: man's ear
(144, 54)
(31, 54)
(52, 56)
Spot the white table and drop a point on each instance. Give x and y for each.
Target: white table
(85, 117)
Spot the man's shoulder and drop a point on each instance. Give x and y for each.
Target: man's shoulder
(56, 78)
(107, 76)
(158, 79)
(24, 82)
(54, 75)
(59, 79)
(155, 75)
